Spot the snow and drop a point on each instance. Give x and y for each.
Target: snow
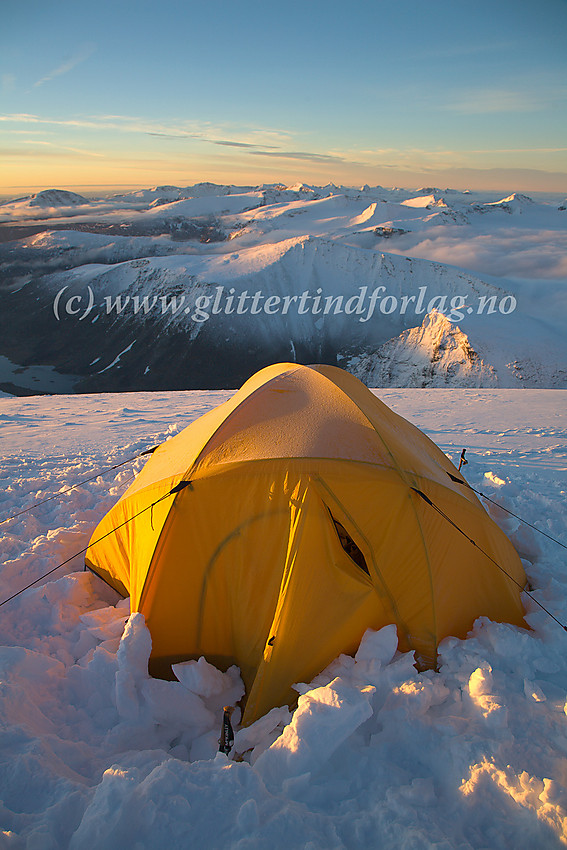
(508, 324)
(436, 354)
(211, 205)
(49, 199)
(506, 257)
(96, 754)
(423, 201)
(117, 358)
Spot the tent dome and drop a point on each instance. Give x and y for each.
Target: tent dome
(275, 529)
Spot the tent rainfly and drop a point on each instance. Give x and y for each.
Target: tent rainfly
(275, 529)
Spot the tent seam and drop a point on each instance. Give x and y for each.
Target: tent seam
(402, 475)
(239, 405)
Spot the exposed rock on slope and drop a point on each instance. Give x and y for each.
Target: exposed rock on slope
(513, 205)
(215, 342)
(436, 354)
(199, 286)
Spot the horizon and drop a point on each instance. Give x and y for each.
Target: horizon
(437, 95)
(94, 192)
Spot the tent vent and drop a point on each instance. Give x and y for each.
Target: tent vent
(350, 546)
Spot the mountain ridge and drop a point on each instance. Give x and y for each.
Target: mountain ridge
(327, 289)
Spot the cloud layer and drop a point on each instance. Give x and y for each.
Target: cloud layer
(510, 252)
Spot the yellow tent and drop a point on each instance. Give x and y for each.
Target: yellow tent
(275, 529)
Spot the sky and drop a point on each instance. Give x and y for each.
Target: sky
(115, 94)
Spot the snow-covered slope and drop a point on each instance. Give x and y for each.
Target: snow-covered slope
(97, 755)
(306, 298)
(56, 198)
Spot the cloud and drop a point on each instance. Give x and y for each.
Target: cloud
(21, 117)
(304, 155)
(517, 150)
(56, 147)
(173, 135)
(512, 252)
(204, 132)
(496, 100)
(8, 82)
(80, 56)
(202, 138)
(259, 148)
(242, 144)
(48, 153)
(496, 160)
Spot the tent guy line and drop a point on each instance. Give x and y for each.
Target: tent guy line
(78, 484)
(183, 484)
(188, 566)
(186, 482)
(480, 549)
(152, 450)
(535, 528)
(173, 491)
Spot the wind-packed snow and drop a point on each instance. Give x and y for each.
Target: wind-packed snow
(97, 755)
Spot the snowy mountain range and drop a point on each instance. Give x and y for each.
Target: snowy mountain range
(198, 287)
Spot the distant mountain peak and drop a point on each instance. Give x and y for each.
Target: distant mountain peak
(514, 203)
(517, 197)
(435, 354)
(425, 201)
(56, 198)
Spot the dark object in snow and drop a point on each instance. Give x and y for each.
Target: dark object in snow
(226, 740)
